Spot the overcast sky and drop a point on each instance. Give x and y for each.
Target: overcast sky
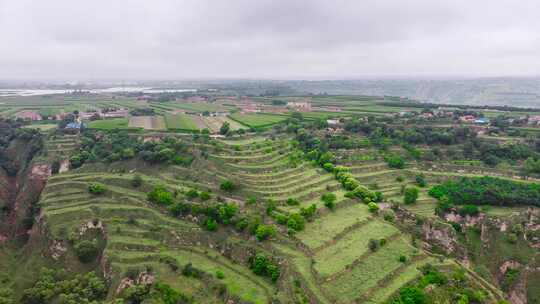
(285, 39)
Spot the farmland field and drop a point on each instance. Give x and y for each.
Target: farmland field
(257, 120)
(181, 122)
(366, 210)
(147, 122)
(109, 124)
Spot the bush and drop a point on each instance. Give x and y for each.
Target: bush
(97, 188)
(410, 195)
(292, 202)
(471, 210)
(160, 195)
(373, 207)
(264, 232)
(296, 222)
(136, 181)
(329, 198)
(211, 225)
(402, 259)
(86, 251)
(192, 193)
(308, 212)
(227, 186)
(263, 266)
(421, 180)
(389, 215)
(204, 196)
(395, 161)
(220, 275)
(252, 200)
(373, 245)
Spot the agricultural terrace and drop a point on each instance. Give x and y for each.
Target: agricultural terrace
(257, 120)
(141, 235)
(109, 124)
(147, 122)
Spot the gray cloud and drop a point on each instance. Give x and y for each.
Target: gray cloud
(140, 39)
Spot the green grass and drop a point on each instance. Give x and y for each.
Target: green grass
(180, 121)
(336, 257)
(238, 279)
(369, 272)
(324, 229)
(109, 124)
(257, 120)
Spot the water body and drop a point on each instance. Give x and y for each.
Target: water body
(38, 92)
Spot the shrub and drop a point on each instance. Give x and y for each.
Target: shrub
(136, 181)
(328, 167)
(204, 196)
(373, 207)
(373, 245)
(264, 232)
(395, 161)
(328, 197)
(296, 222)
(97, 188)
(378, 196)
(308, 212)
(220, 275)
(400, 179)
(227, 186)
(420, 180)
(211, 225)
(389, 215)
(471, 210)
(160, 195)
(292, 202)
(192, 193)
(87, 251)
(402, 259)
(252, 200)
(410, 195)
(263, 266)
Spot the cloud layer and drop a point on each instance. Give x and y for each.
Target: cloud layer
(172, 39)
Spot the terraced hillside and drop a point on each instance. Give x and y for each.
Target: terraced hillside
(137, 234)
(331, 256)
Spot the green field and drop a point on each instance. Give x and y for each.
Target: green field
(180, 122)
(257, 120)
(109, 124)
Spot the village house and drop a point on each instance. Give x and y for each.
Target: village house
(301, 106)
(533, 120)
(467, 118)
(28, 115)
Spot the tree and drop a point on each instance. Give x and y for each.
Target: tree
(410, 195)
(264, 232)
(225, 128)
(329, 200)
(395, 161)
(296, 222)
(160, 195)
(86, 251)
